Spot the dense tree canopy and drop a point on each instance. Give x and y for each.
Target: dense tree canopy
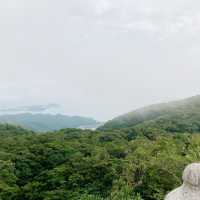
(93, 165)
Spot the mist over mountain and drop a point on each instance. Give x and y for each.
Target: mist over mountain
(48, 122)
(30, 109)
(176, 116)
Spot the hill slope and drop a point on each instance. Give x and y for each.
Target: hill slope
(177, 116)
(47, 122)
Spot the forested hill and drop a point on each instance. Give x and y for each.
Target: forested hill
(178, 116)
(47, 122)
(91, 165)
(143, 160)
(11, 130)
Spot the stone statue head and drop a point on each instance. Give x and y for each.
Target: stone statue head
(191, 175)
(190, 190)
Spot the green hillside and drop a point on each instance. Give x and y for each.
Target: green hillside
(178, 116)
(47, 122)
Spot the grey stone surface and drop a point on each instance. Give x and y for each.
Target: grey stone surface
(190, 190)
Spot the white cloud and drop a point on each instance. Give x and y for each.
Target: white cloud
(98, 57)
(164, 19)
(102, 6)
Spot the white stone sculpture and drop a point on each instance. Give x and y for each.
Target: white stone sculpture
(190, 190)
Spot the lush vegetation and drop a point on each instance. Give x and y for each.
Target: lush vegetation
(143, 159)
(86, 165)
(47, 122)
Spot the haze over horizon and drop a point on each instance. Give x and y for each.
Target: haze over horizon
(98, 58)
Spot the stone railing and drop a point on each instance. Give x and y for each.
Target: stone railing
(190, 190)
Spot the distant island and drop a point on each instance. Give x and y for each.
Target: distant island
(49, 122)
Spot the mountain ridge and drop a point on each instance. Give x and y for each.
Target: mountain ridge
(182, 109)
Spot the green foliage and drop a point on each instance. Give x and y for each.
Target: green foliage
(72, 164)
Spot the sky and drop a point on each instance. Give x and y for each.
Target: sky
(98, 58)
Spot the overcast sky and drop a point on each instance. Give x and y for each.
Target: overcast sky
(98, 58)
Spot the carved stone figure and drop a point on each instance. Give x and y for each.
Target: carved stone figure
(190, 190)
